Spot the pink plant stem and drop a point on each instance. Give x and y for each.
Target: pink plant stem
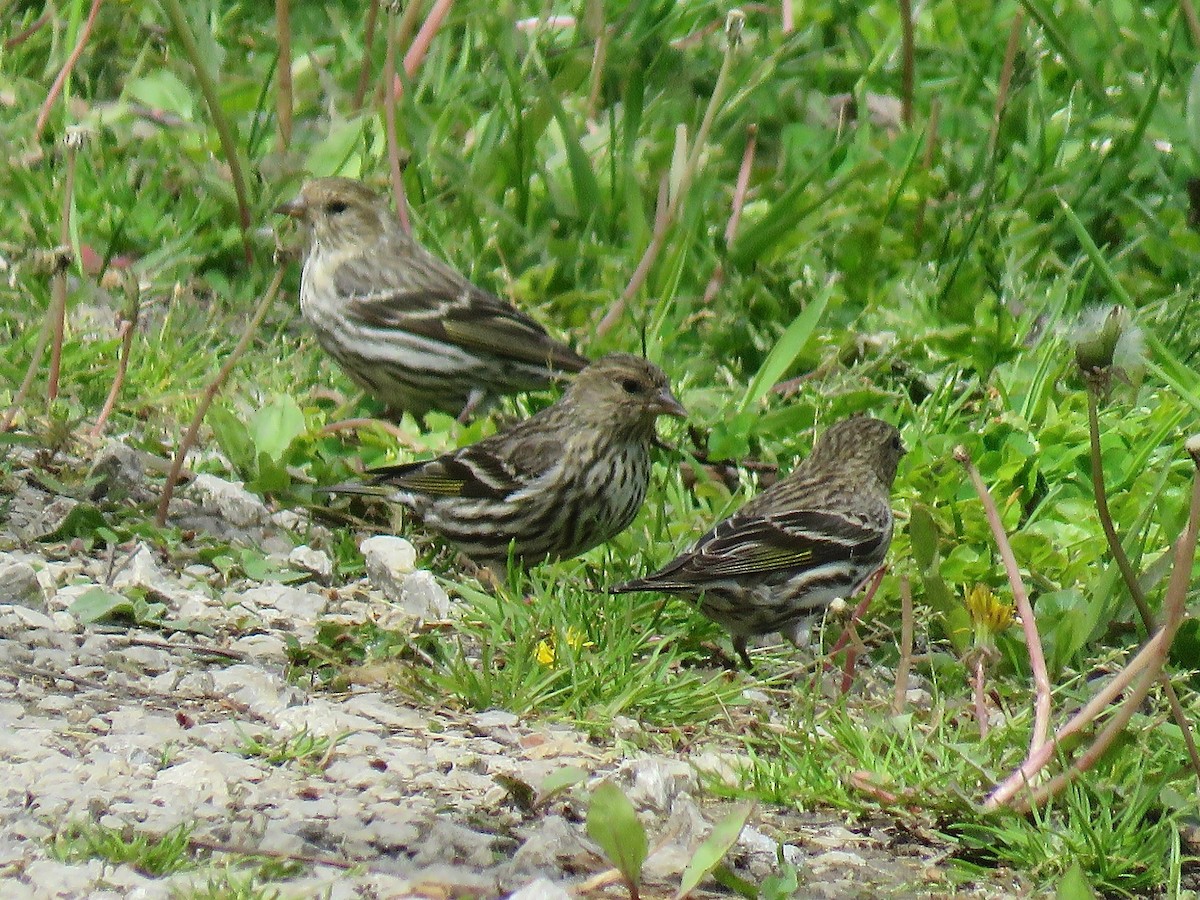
(743, 182)
(1006, 73)
(789, 17)
(661, 222)
(735, 213)
(1147, 664)
(393, 141)
(18, 39)
(61, 79)
(849, 635)
(1033, 641)
(210, 394)
(126, 334)
(364, 72)
(978, 677)
(61, 261)
(1193, 21)
(58, 284)
(420, 45)
(906, 645)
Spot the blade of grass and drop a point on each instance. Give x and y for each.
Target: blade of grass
(208, 88)
(789, 346)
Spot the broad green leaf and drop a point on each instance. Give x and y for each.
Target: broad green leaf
(557, 782)
(276, 425)
(330, 155)
(772, 888)
(233, 437)
(787, 348)
(101, 603)
(923, 533)
(83, 521)
(1074, 885)
(612, 823)
(162, 91)
(713, 849)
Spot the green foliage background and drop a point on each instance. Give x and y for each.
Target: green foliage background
(947, 268)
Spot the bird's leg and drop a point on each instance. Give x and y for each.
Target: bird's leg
(487, 576)
(474, 399)
(739, 645)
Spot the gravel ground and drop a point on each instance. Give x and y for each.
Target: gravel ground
(146, 730)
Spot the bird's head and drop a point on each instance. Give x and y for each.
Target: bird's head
(859, 443)
(625, 392)
(338, 210)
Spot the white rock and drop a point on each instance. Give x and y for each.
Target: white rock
(389, 559)
(19, 584)
(198, 779)
(542, 889)
(423, 597)
(283, 604)
(27, 618)
(52, 516)
(311, 560)
(230, 500)
(140, 570)
(120, 471)
(494, 718)
(758, 844)
(655, 782)
(837, 860)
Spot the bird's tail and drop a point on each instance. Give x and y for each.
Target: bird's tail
(353, 487)
(637, 584)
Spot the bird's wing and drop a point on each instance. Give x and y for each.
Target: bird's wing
(463, 474)
(760, 544)
(494, 468)
(426, 297)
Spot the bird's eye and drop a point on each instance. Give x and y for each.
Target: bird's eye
(335, 207)
(632, 386)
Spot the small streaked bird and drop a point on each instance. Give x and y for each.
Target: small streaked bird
(813, 537)
(553, 486)
(402, 323)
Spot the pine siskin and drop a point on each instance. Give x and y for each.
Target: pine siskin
(553, 486)
(402, 323)
(814, 536)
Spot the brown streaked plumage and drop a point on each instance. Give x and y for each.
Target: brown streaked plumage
(814, 536)
(402, 323)
(553, 486)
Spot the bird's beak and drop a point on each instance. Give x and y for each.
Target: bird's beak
(294, 208)
(665, 404)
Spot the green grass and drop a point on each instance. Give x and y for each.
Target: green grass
(308, 751)
(939, 296)
(152, 856)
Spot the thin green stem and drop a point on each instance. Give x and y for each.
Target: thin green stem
(364, 71)
(208, 87)
(283, 84)
(58, 283)
(908, 65)
(1131, 579)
